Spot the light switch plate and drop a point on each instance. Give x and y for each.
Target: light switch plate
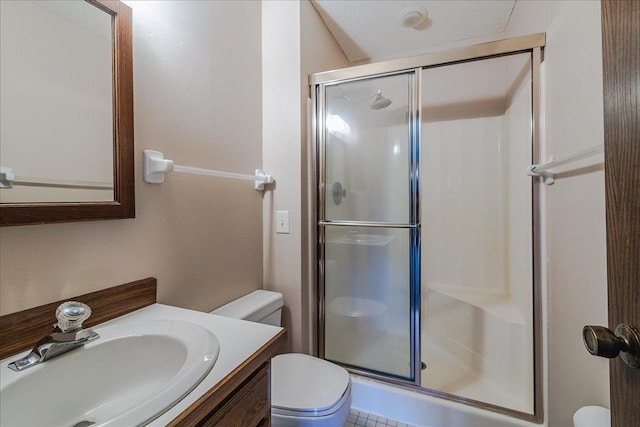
(282, 222)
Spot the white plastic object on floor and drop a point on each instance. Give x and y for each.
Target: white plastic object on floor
(592, 416)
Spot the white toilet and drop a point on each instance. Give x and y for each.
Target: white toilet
(305, 390)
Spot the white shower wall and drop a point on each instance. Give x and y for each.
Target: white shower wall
(477, 304)
(463, 205)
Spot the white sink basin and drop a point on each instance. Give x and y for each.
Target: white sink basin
(129, 376)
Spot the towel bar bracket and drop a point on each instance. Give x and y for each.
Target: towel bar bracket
(544, 170)
(547, 178)
(156, 166)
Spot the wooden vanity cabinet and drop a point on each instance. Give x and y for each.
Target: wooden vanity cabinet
(241, 399)
(248, 405)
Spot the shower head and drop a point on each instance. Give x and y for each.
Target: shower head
(380, 102)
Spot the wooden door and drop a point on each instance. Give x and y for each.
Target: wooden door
(621, 67)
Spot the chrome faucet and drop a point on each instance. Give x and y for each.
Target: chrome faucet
(68, 334)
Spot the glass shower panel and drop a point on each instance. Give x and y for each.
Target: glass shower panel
(367, 298)
(368, 225)
(367, 149)
(477, 271)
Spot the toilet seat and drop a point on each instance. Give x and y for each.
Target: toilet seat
(305, 386)
(312, 414)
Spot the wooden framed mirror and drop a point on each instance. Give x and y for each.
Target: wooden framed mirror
(113, 125)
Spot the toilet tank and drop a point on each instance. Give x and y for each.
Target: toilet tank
(258, 306)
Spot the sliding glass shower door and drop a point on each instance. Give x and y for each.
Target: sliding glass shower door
(369, 223)
(429, 235)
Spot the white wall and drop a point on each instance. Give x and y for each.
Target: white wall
(197, 95)
(463, 209)
(572, 121)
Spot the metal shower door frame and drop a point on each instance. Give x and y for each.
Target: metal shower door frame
(533, 44)
(319, 102)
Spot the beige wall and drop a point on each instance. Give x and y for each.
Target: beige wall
(295, 43)
(575, 291)
(576, 231)
(319, 52)
(281, 157)
(197, 68)
(575, 211)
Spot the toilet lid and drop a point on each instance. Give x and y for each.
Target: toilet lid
(306, 384)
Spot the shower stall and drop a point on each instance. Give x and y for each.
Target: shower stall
(428, 263)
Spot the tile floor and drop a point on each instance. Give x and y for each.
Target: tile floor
(362, 419)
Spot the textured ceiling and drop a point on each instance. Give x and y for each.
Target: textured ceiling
(367, 29)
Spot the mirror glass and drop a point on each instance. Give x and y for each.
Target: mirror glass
(57, 102)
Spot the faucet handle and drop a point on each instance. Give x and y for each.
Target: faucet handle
(71, 314)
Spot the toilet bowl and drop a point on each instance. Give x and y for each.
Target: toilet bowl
(305, 390)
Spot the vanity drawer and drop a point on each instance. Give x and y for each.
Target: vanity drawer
(248, 405)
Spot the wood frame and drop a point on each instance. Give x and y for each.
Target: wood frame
(21, 331)
(620, 57)
(123, 205)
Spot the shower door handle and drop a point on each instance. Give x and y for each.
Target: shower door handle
(625, 342)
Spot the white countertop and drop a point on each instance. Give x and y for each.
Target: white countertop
(238, 340)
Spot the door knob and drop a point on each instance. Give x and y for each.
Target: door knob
(601, 341)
